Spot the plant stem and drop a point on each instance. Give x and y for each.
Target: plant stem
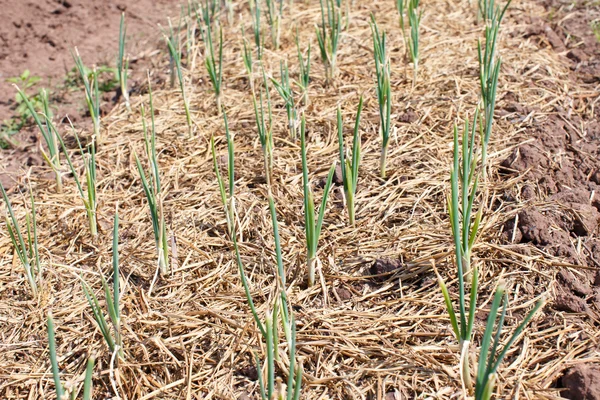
(383, 162)
(466, 365)
(310, 264)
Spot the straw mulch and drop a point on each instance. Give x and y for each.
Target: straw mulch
(191, 335)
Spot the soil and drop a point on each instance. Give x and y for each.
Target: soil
(39, 36)
(582, 382)
(561, 168)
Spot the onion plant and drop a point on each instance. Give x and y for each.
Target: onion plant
(209, 10)
(61, 392)
(312, 225)
(489, 71)
(153, 191)
(384, 91)
(175, 54)
(491, 358)
(190, 28)
(328, 36)
(173, 37)
(258, 40)
(214, 66)
(113, 339)
(414, 19)
(350, 166)
(274, 14)
(464, 179)
(26, 248)
(279, 312)
(123, 64)
(92, 93)
(287, 94)
(489, 11)
(248, 61)
(400, 7)
(88, 196)
(264, 126)
(49, 133)
(304, 73)
(226, 198)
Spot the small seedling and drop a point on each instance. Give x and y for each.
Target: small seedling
(152, 189)
(350, 166)
(489, 12)
(248, 62)
(384, 91)
(328, 36)
(287, 94)
(92, 93)
(25, 81)
(312, 225)
(279, 311)
(49, 133)
(113, 339)
(258, 41)
(464, 180)
(123, 64)
(175, 54)
(89, 198)
(173, 38)
(489, 71)
(595, 25)
(60, 389)
(226, 198)
(304, 73)
(269, 329)
(490, 359)
(414, 19)
(274, 14)
(264, 126)
(214, 66)
(28, 253)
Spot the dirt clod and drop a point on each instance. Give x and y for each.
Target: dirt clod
(343, 293)
(383, 266)
(570, 303)
(575, 285)
(338, 178)
(408, 117)
(582, 382)
(250, 372)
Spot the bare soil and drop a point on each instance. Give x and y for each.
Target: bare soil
(40, 35)
(560, 162)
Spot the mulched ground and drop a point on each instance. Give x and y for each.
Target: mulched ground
(375, 327)
(39, 36)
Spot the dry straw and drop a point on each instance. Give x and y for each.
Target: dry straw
(364, 329)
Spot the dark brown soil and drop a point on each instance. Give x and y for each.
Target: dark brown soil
(39, 36)
(383, 268)
(582, 383)
(561, 167)
(562, 162)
